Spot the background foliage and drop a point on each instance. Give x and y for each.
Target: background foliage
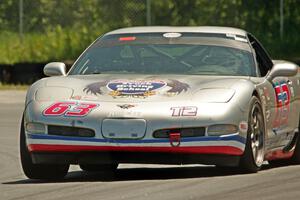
(61, 29)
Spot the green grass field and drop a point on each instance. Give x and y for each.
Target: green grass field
(13, 87)
(57, 44)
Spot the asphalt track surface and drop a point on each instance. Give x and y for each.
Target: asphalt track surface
(134, 182)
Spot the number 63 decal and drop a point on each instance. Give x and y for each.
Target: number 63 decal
(69, 109)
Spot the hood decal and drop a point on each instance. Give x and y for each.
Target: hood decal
(137, 88)
(134, 87)
(126, 106)
(95, 88)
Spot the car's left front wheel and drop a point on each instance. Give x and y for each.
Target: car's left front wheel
(39, 171)
(253, 157)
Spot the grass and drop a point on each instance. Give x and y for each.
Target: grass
(13, 87)
(54, 44)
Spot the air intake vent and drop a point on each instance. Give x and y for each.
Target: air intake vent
(70, 131)
(184, 132)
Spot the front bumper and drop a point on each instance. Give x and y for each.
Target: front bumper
(132, 157)
(204, 149)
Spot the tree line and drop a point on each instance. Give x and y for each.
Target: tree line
(68, 26)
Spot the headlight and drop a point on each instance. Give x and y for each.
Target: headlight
(214, 95)
(222, 129)
(53, 94)
(32, 127)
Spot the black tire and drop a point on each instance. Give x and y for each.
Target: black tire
(253, 157)
(99, 167)
(38, 171)
(296, 156)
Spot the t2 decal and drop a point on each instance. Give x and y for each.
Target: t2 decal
(69, 109)
(184, 111)
(283, 99)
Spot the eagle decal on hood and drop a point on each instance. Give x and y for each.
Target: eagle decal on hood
(137, 88)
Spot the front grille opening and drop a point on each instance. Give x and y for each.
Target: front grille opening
(70, 131)
(184, 132)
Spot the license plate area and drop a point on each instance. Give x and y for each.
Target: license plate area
(123, 128)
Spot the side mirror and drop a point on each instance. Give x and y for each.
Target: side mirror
(55, 69)
(283, 69)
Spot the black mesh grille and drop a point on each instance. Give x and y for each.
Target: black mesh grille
(70, 131)
(184, 132)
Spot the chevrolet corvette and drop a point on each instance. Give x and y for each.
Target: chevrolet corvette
(163, 95)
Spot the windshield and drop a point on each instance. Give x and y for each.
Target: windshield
(167, 53)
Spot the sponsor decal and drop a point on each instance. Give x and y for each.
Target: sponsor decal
(127, 113)
(77, 97)
(292, 91)
(184, 111)
(267, 93)
(236, 37)
(126, 106)
(86, 98)
(266, 98)
(136, 88)
(172, 35)
(283, 98)
(69, 109)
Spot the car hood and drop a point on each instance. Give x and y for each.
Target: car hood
(138, 88)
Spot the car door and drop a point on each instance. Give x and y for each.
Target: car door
(278, 100)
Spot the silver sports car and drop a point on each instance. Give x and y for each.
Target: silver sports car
(163, 95)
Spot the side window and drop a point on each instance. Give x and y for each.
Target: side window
(263, 60)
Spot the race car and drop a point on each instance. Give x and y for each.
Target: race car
(163, 95)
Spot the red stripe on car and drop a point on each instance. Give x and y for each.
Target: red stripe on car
(228, 150)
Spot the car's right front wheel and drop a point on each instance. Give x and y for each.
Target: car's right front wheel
(39, 171)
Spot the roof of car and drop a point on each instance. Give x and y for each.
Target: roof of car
(182, 29)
